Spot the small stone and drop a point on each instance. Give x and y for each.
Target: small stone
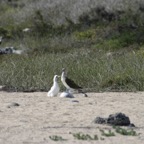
(75, 101)
(14, 104)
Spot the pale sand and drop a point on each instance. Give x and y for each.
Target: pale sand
(39, 117)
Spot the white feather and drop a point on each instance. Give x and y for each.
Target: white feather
(54, 90)
(66, 95)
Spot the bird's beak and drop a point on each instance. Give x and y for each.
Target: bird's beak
(58, 76)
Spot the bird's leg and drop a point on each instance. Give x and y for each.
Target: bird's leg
(67, 90)
(85, 94)
(80, 91)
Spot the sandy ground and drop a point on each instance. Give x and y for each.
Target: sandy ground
(39, 117)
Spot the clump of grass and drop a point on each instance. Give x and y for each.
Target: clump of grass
(88, 34)
(57, 138)
(92, 71)
(121, 41)
(3, 31)
(81, 136)
(108, 133)
(125, 132)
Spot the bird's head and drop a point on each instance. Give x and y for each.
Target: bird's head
(63, 72)
(56, 77)
(63, 69)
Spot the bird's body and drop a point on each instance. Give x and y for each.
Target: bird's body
(70, 84)
(66, 95)
(54, 90)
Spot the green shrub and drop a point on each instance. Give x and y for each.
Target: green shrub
(125, 132)
(108, 133)
(81, 136)
(3, 31)
(56, 138)
(88, 34)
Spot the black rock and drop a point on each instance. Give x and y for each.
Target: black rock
(100, 120)
(118, 119)
(131, 125)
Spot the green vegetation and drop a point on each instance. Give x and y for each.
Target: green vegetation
(104, 133)
(56, 138)
(108, 133)
(125, 132)
(102, 50)
(81, 136)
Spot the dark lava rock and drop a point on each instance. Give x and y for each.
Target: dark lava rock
(131, 125)
(13, 105)
(118, 119)
(100, 120)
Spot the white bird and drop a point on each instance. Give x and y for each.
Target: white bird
(66, 95)
(54, 90)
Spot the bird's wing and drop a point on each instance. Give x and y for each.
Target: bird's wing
(72, 84)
